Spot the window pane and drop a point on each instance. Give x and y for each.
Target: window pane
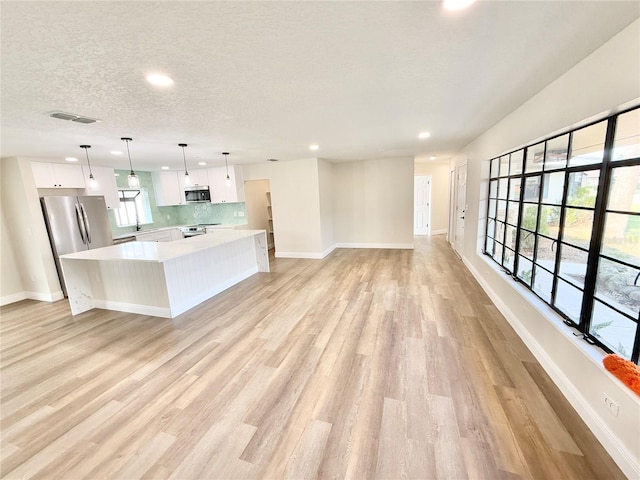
(491, 228)
(624, 190)
(553, 188)
(509, 258)
(529, 216)
(499, 232)
(494, 168)
(587, 145)
(577, 227)
(492, 208)
(535, 157)
(514, 188)
(510, 238)
(527, 242)
(513, 209)
(542, 283)
(504, 165)
(546, 253)
(583, 188)
(525, 268)
(497, 253)
(614, 330)
(557, 150)
(532, 189)
(502, 210)
(549, 221)
(493, 189)
(619, 286)
(489, 246)
(502, 187)
(622, 237)
(569, 300)
(626, 143)
(516, 162)
(573, 265)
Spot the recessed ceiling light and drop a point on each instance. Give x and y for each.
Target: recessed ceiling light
(202, 163)
(424, 135)
(165, 168)
(71, 159)
(432, 157)
(116, 152)
(456, 4)
(313, 147)
(159, 80)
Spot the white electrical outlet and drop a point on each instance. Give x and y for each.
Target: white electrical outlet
(611, 405)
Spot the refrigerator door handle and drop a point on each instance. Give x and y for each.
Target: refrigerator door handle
(80, 224)
(85, 220)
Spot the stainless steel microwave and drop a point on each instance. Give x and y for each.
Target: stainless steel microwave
(197, 194)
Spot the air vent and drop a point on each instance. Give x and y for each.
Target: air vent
(73, 117)
(272, 159)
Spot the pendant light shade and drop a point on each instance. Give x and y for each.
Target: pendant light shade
(132, 179)
(93, 184)
(187, 180)
(226, 163)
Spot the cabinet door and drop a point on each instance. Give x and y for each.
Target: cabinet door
(220, 191)
(217, 186)
(199, 176)
(43, 175)
(107, 187)
(168, 188)
(236, 190)
(68, 176)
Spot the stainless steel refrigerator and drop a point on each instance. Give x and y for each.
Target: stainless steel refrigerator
(75, 224)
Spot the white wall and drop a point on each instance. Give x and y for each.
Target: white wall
(28, 234)
(373, 203)
(325, 186)
(439, 192)
(606, 79)
(296, 205)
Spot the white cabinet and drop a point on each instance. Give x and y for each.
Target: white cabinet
(220, 191)
(107, 186)
(164, 235)
(57, 175)
(198, 177)
(169, 188)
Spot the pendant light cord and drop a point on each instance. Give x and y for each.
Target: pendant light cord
(86, 152)
(226, 163)
(126, 140)
(182, 145)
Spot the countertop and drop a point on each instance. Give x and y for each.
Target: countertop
(160, 229)
(162, 251)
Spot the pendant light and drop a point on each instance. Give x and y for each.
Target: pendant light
(187, 180)
(132, 180)
(93, 184)
(226, 163)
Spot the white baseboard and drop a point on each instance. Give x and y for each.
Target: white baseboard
(16, 297)
(41, 297)
(402, 246)
(310, 255)
(439, 232)
(132, 308)
(625, 459)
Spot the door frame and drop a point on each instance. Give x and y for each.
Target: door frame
(428, 206)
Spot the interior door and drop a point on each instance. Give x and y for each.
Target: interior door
(461, 206)
(422, 205)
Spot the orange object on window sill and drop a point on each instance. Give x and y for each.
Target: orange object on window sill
(628, 372)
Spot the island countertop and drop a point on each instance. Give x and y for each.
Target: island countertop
(162, 251)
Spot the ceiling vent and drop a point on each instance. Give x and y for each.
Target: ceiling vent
(73, 117)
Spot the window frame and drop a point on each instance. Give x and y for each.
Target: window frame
(593, 248)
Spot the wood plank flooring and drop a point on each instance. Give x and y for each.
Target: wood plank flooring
(368, 364)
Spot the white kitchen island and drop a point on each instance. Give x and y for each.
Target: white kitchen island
(163, 279)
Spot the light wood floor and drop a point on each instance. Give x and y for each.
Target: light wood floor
(368, 364)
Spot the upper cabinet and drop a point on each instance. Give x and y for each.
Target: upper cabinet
(198, 177)
(107, 186)
(57, 175)
(220, 191)
(169, 188)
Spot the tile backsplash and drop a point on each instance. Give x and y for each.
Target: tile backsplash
(228, 213)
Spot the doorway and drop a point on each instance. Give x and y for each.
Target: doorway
(460, 207)
(258, 205)
(422, 205)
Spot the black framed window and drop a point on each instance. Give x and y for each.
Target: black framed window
(563, 218)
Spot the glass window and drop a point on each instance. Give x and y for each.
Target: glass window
(587, 145)
(573, 265)
(493, 189)
(546, 253)
(514, 188)
(553, 188)
(578, 225)
(529, 216)
(516, 162)
(509, 259)
(624, 189)
(535, 158)
(619, 286)
(583, 188)
(503, 184)
(134, 209)
(622, 237)
(543, 283)
(492, 208)
(502, 210)
(504, 165)
(626, 143)
(525, 269)
(532, 189)
(556, 155)
(494, 168)
(613, 329)
(569, 300)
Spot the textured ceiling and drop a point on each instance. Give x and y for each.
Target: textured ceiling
(267, 79)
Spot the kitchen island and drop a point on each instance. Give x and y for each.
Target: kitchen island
(163, 279)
